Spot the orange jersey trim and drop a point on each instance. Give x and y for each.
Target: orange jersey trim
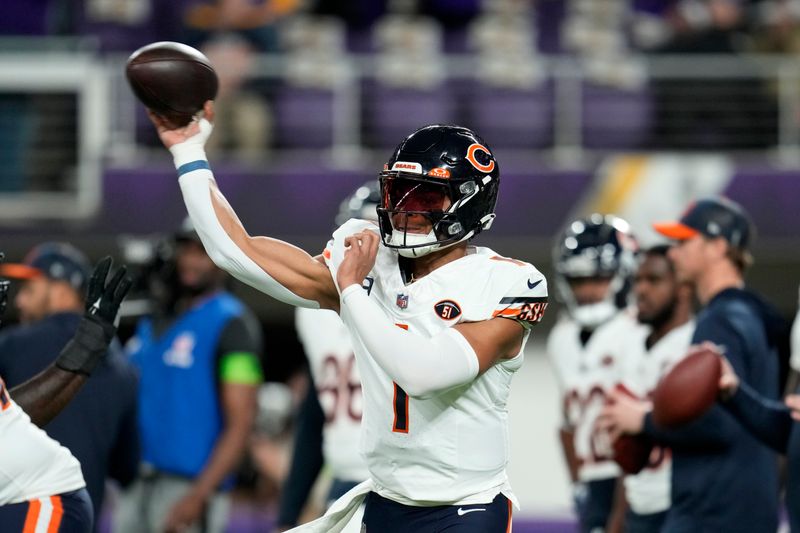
(507, 259)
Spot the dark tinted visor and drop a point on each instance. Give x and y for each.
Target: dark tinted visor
(409, 194)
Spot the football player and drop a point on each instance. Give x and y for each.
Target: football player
(594, 262)
(41, 484)
(664, 305)
(438, 326)
(329, 419)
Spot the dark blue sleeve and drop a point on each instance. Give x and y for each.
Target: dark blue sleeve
(716, 429)
(123, 461)
(768, 420)
(307, 458)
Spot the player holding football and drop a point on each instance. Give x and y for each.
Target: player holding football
(664, 306)
(438, 326)
(41, 484)
(594, 261)
(722, 478)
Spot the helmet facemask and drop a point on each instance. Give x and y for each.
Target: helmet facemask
(411, 202)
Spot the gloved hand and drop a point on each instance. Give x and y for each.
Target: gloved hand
(97, 327)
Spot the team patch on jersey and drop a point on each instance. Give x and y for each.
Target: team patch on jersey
(447, 310)
(402, 301)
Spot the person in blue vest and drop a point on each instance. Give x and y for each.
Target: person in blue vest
(198, 357)
(99, 425)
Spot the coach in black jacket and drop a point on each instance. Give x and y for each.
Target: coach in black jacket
(99, 426)
(723, 479)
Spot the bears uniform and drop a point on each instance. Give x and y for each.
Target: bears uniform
(38, 477)
(333, 366)
(451, 448)
(586, 372)
(648, 492)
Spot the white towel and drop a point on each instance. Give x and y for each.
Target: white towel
(340, 513)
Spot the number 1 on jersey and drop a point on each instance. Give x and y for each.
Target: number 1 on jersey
(400, 403)
(400, 410)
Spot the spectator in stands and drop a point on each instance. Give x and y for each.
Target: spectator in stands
(232, 33)
(99, 426)
(702, 113)
(198, 357)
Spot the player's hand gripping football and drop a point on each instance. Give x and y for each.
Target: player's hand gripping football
(361, 249)
(196, 132)
(623, 415)
(97, 327)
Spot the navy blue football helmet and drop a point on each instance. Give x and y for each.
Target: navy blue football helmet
(362, 204)
(600, 246)
(446, 174)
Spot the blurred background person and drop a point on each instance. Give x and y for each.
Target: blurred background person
(664, 306)
(594, 263)
(99, 425)
(42, 486)
(329, 419)
(716, 463)
(198, 358)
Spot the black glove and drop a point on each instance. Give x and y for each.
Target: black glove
(96, 329)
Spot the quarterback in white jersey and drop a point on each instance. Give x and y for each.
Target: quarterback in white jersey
(438, 326)
(664, 307)
(594, 260)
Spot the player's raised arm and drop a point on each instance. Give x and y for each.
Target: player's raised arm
(274, 267)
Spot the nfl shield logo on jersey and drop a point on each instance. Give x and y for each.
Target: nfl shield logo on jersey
(402, 301)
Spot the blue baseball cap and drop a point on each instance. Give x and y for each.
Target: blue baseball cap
(57, 261)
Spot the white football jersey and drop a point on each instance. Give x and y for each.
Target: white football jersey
(585, 374)
(32, 465)
(452, 447)
(333, 366)
(649, 491)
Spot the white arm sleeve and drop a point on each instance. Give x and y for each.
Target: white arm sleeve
(195, 179)
(419, 365)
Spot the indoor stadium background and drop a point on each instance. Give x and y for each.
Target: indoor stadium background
(632, 107)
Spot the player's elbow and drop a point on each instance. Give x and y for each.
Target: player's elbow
(223, 260)
(421, 389)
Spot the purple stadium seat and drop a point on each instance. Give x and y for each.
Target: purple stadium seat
(303, 117)
(512, 118)
(392, 113)
(616, 118)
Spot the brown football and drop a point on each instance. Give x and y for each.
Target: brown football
(172, 79)
(632, 452)
(689, 389)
